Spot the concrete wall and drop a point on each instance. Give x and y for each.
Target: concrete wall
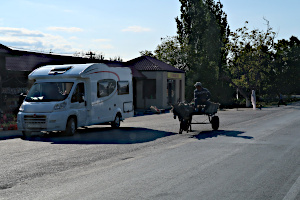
(161, 100)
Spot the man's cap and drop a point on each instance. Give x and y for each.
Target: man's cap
(198, 84)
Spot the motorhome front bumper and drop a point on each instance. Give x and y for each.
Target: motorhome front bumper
(41, 122)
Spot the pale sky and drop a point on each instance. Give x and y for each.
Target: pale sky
(283, 15)
(122, 27)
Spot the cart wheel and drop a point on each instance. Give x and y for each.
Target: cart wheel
(215, 122)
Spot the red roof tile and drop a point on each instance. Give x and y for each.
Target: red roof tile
(147, 63)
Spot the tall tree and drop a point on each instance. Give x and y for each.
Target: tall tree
(286, 71)
(147, 53)
(116, 58)
(250, 59)
(171, 52)
(203, 32)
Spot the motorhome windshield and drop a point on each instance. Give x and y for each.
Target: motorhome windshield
(49, 91)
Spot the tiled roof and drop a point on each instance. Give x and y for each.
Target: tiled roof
(26, 62)
(32, 61)
(147, 63)
(4, 49)
(135, 72)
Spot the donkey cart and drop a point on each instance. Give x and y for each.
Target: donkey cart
(185, 113)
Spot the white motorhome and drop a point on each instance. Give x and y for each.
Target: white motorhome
(65, 97)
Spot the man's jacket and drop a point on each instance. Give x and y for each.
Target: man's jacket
(201, 96)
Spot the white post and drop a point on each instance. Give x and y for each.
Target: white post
(253, 99)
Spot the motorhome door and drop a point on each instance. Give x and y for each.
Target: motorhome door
(106, 90)
(78, 103)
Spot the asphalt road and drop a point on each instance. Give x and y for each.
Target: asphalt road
(254, 155)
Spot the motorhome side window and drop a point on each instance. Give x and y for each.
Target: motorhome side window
(105, 87)
(123, 87)
(78, 95)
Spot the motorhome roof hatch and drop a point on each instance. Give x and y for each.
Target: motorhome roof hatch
(59, 70)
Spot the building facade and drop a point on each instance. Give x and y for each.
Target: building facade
(155, 83)
(162, 86)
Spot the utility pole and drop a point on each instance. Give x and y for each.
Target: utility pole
(91, 54)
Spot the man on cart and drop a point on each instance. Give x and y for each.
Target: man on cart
(201, 97)
(202, 106)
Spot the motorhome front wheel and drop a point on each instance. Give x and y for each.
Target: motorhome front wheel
(71, 127)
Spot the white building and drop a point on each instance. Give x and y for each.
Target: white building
(161, 86)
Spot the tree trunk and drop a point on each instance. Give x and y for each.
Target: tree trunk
(248, 103)
(241, 91)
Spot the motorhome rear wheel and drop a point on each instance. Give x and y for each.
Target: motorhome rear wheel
(117, 122)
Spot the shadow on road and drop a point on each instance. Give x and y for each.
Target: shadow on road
(210, 134)
(126, 135)
(10, 136)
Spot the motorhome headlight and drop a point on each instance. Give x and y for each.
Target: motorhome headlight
(60, 106)
(21, 109)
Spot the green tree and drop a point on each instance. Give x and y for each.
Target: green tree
(250, 59)
(116, 58)
(170, 52)
(294, 65)
(285, 74)
(147, 53)
(203, 32)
